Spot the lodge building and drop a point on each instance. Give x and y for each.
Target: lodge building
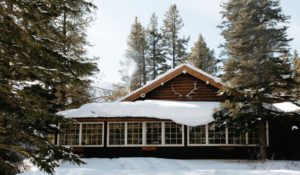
(169, 117)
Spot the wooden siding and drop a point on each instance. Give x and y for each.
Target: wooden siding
(183, 84)
(169, 77)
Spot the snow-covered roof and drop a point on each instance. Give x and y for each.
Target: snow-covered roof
(287, 107)
(183, 68)
(187, 113)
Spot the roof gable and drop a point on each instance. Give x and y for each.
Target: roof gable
(171, 74)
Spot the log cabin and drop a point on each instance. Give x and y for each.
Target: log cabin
(171, 117)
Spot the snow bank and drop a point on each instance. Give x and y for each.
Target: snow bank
(157, 166)
(187, 113)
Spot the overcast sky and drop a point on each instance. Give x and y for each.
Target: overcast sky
(109, 32)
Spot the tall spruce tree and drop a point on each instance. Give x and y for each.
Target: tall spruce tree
(72, 27)
(256, 73)
(156, 58)
(174, 44)
(202, 57)
(136, 52)
(296, 66)
(31, 68)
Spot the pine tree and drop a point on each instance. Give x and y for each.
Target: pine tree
(202, 57)
(174, 44)
(257, 72)
(31, 68)
(156, 59)
(296, 66)
(72, 26)
(136, 52)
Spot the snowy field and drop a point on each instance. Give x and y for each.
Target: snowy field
(156, 166)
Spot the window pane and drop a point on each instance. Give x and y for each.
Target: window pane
(116, 133)
(216, 135)
(173, 133)
(92, 134)
(235, 136)
(197, 135)
(134, 133)
(69, 134)
(252, 136)
(153, 133)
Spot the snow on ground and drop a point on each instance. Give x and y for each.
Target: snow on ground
(158, 166)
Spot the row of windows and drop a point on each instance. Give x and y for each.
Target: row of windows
(152, 133)
(212, 134)
(149, 133)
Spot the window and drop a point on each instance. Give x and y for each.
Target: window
(134, 133)
(69, 134)
(216, 134)
(252, 137)
(153, 133)
(116, 133)
(197, 134)
(92, 134)
(235, 136)
(173, 133)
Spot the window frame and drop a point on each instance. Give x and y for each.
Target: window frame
(108, 135)
(182, 134)
(226, 139)
(144, 135)
(80, 135)
(102, 138)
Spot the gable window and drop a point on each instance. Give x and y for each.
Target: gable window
(92, 134)
(197, 134)
(173, 133)
(69, 134)
(134, 133)
(216, 134)
(154, 133)
(116, 133)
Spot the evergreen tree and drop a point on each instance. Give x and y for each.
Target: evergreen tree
(71, 26)
(202, 57)
(296, 66)
(136, 52)
(257, 73)
(156, 59)
(174, 44)
(31, 68)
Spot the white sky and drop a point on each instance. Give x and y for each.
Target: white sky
(108, 33)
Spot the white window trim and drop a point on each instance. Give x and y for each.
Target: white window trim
(107, 135)
(182, 133)
(144, 136)
(102, 139)
(126, 135)
(58, 137)
(226, 133)
(80, 135)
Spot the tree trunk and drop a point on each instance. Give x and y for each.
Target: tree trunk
(144, 69)
(261, 129)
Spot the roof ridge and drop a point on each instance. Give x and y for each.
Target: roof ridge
(217, 80)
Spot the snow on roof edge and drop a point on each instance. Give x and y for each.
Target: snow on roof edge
(214, 78)
(187, 113)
